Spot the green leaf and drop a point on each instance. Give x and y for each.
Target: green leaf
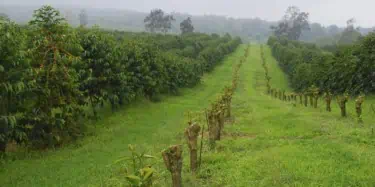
(122, 159)
(134, 180)
(147, 173)
(148, 156)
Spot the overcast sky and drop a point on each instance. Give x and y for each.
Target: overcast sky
(322, 11)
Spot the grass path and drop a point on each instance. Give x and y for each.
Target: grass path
(150, 126)
(273, 143)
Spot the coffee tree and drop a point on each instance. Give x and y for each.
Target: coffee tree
(55, 49)
(14, 86)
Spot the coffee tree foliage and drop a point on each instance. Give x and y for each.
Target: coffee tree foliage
(14, 70)
(351, 68)
(50, 73)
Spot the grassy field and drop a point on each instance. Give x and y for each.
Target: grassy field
(269, 142)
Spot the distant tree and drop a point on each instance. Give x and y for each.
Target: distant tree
(333, 29)
(186, 26)
(292, 24)
(157, 20)
(316, 31)
(83, 18)
(3, 16)
(350, 34)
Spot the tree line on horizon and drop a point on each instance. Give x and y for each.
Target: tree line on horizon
(254, 29)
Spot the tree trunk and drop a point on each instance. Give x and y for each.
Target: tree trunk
(306, 100)
(220, 124)
(212, 130)
(328, 103)
(176, 179)
(343, 109)
(3, 146)
(229, 109)
(358, 109)
(192, 133)
(316, 102)
(93, 109)
(301, 99)
(173, 161)
(311, 101)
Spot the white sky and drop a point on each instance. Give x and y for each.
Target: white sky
(323, 11)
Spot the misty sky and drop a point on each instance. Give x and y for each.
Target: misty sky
(322, 11)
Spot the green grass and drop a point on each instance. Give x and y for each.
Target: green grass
(270, 142)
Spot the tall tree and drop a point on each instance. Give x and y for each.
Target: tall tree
(292, 24)
(158, 21)
(83, 18)
(186, 26)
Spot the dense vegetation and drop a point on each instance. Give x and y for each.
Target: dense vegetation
(350, 69)
(50, 73)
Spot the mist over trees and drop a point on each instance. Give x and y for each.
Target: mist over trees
(186, 26)
(350, 34)
(4, 16)
(249, 29)
(292, 24)
(157, 20)
(83, 18)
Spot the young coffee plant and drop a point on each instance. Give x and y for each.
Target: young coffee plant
(137, 172)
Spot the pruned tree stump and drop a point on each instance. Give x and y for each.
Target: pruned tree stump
(191, 134)
(173, 161)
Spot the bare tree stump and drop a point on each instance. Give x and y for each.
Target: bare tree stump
(212, 129)
(358, 108)
(220, 124)
(316, 101)
(191, 134)
(173, 161)
(342, 100)
(328, 98)
(311, 101)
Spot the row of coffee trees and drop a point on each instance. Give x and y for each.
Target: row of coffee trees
(215, 116)
(351, 69)
(310, 95)
(51, 73)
